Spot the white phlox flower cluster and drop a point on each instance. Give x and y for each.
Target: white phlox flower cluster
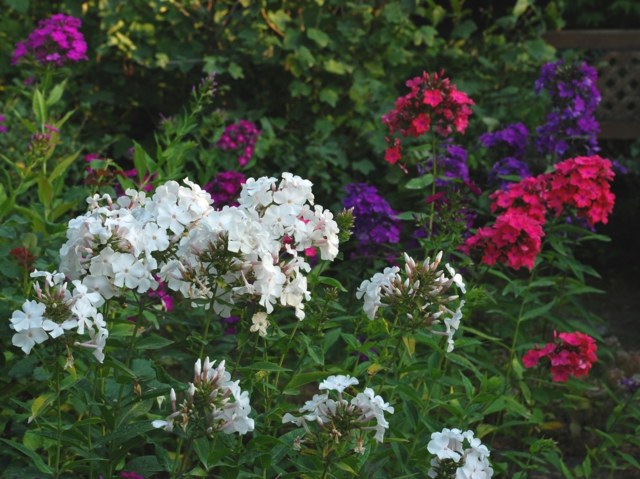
(213, 403)
(57, 310)
(453, 460)
(339, 418)
(214, 258)
(420, 291)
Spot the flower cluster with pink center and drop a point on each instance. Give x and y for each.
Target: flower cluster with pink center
(433, 103)
(56, 41)
(579, 185)
(572, 354)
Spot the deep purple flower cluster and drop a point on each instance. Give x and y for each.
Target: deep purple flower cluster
(229, 325)
(505, 167)
(3, 127)
(241, 136)
(375, 222)
(571, 126)
(225, 188)
(510, 145)
(451, 165)
(511, 140)
(55, 41)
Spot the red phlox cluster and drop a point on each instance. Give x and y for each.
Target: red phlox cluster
(515, 239)
(572, 355)
(583, 183)
(433, 103)
(527, 197)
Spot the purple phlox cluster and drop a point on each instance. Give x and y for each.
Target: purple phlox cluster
(508, 166)
(511, 140)
(3, 127)
(229, 325)
(225, 188)
(571, 127)
(451, 166)
(510, 145)
(631, 384)
(241, 137)
(55, 41)
(375, 221)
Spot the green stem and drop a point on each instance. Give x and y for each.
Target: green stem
(59, 414)
(433, 185)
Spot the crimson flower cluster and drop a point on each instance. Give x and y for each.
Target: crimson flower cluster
(241, 137)
(571, 354)
(580, 185)
(433, 103)
(583, 183)
(56, 41)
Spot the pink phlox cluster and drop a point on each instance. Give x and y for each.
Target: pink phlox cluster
(56, 41)
(571, 354)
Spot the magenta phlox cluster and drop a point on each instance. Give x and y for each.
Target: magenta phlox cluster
(240, 137)
(225, 188)
(57, 40)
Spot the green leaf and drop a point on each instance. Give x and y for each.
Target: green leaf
(329, 96)
(45, 191)
(56, 93)
(419, 182)
(39, 107)
(306, 378)
(265, 366)
(347, 468)
(153, 341)
(40, 404)
(464, 29)
(520, 7)
(298, 89)
(334, 66)
(334, 283)
(539, 311)
(235, 71)
(201, 445)
(62, 166)
(141, 160)
(318, 36)
(145, 465)
(36, 460)
(21, 6)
